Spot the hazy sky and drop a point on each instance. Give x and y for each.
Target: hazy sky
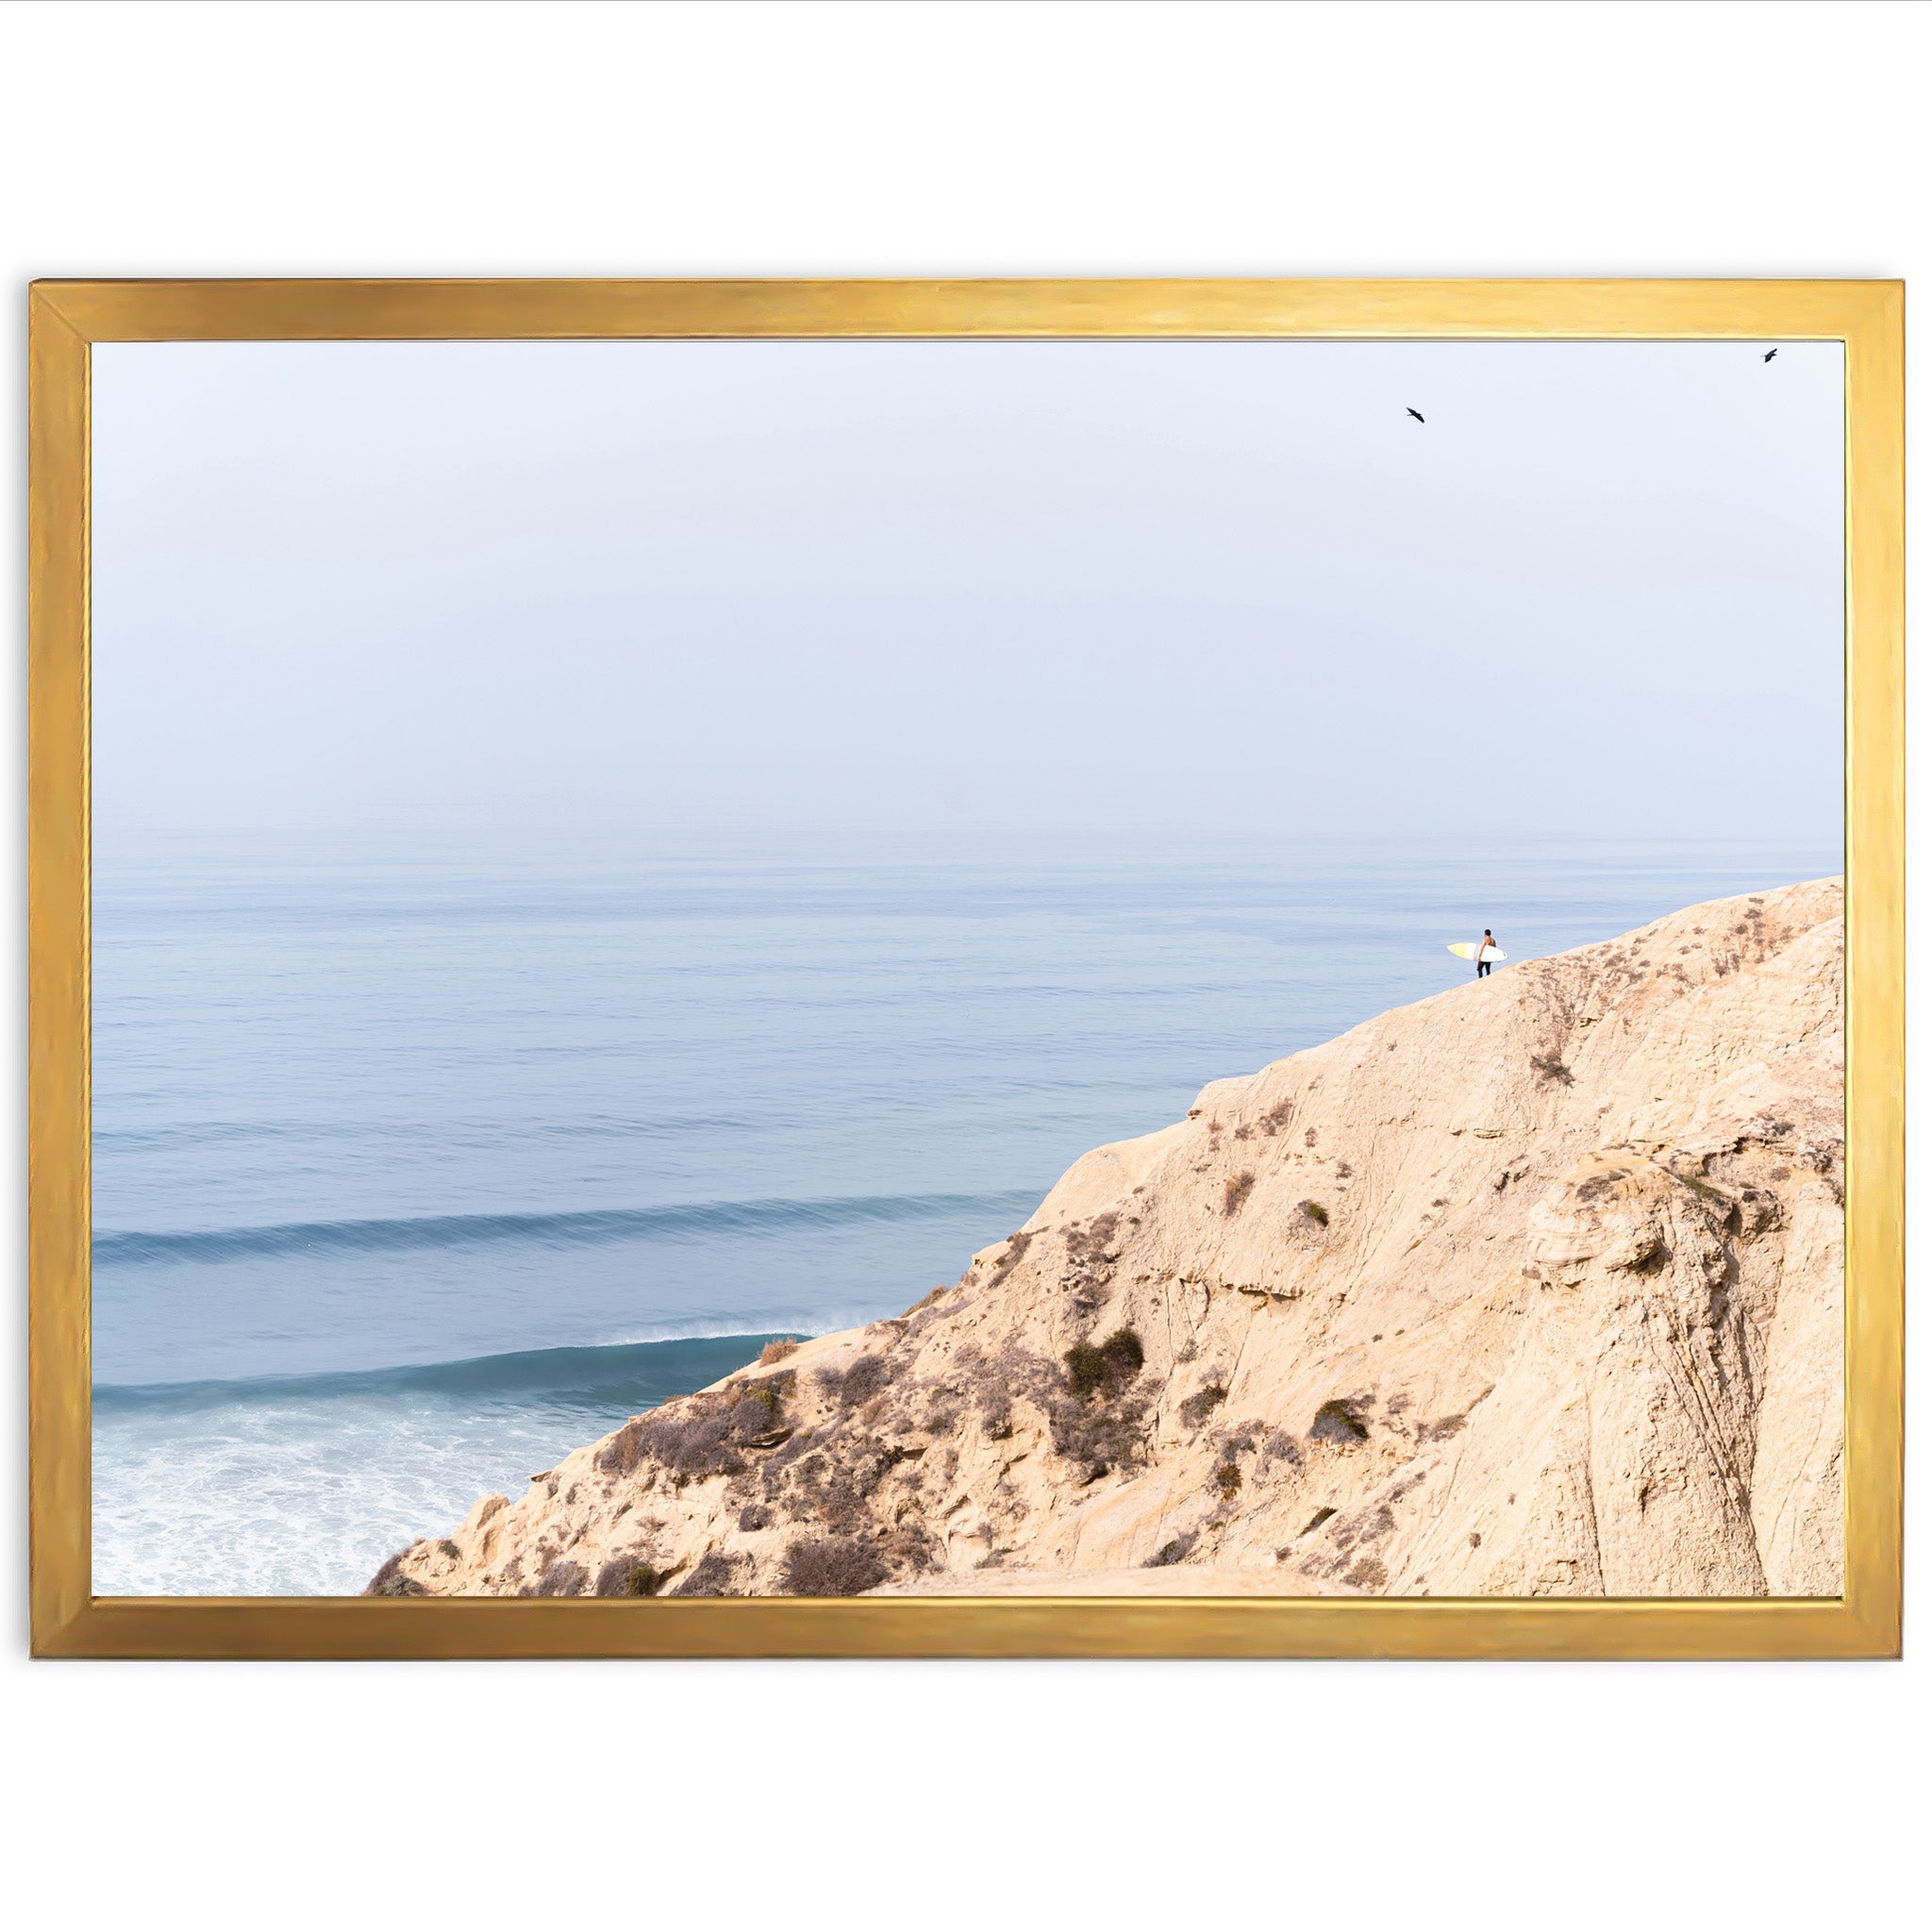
(1211, 587)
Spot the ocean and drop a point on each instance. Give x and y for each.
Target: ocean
(414, 1170)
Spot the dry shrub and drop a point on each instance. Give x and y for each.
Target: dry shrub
(755, 1516)
(865, 1378)
(716, 1575)
(692, 1446)
(776, 1350)
(995, 1384)
(1337, 1421)
(1016, 1248)
(704, 1438)
(800, 1445)
(855, 1384)
(619, 1456)
(1315, 1212)
(1171, 1552)
(562, 1579)
(1195, 1410)
(389, 1581)
(1089, 1242)
(627, 1576)
(762, 1395)
(830, 1566)
(1099, 1436)
(1234, 1196)
(833, 1481)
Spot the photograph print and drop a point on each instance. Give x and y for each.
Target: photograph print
(1113, 968)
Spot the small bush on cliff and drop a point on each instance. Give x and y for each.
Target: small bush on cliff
(1228, 1480)
(1193, 1411)
(830, 1566)
(1096, 1437)
(628, 1577)
(1016, 1250)
(995, 1384)
(704, 1437)
(864, 1379)
(776, 1351)
(1094, 1371)
(1171, 1552)
(1089, 1243)
(1101, 1429)
(390, 1580)
(562, 1579)
(619, 1456)
(1315, 1212)
(1236, 1193)
(716, 1575)
(1337, 1421)
(694, 1446)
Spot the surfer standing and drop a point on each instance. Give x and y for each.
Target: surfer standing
(1483, 952)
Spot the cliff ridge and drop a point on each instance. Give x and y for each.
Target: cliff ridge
(1532, 1288)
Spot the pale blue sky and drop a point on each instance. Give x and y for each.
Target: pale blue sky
(1228, 588)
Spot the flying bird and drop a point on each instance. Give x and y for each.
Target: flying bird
(1419, 417)
(1769, 353)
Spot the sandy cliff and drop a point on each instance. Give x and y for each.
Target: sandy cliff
(1533, 1288)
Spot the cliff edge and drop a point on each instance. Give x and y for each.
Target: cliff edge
(1534, 1288)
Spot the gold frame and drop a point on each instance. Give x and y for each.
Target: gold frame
(67, 317)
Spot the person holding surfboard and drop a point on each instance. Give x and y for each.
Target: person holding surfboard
(1485, 952)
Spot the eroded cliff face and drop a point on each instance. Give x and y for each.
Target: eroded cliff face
(1534, 1288)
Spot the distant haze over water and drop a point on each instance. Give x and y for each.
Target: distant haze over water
(1225, 587)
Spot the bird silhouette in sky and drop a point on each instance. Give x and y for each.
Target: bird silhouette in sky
(1418, 414)
(1769, 353)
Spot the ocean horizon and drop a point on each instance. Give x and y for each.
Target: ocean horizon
(415, 1171)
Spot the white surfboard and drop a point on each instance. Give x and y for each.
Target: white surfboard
(1465, 949)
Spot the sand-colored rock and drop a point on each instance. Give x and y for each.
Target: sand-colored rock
(1534, 1288)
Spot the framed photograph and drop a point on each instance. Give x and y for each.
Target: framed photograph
(966, 968)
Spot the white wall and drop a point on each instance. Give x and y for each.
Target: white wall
(1738, 140)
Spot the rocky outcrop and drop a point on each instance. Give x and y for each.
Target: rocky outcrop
(1534, 1288)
